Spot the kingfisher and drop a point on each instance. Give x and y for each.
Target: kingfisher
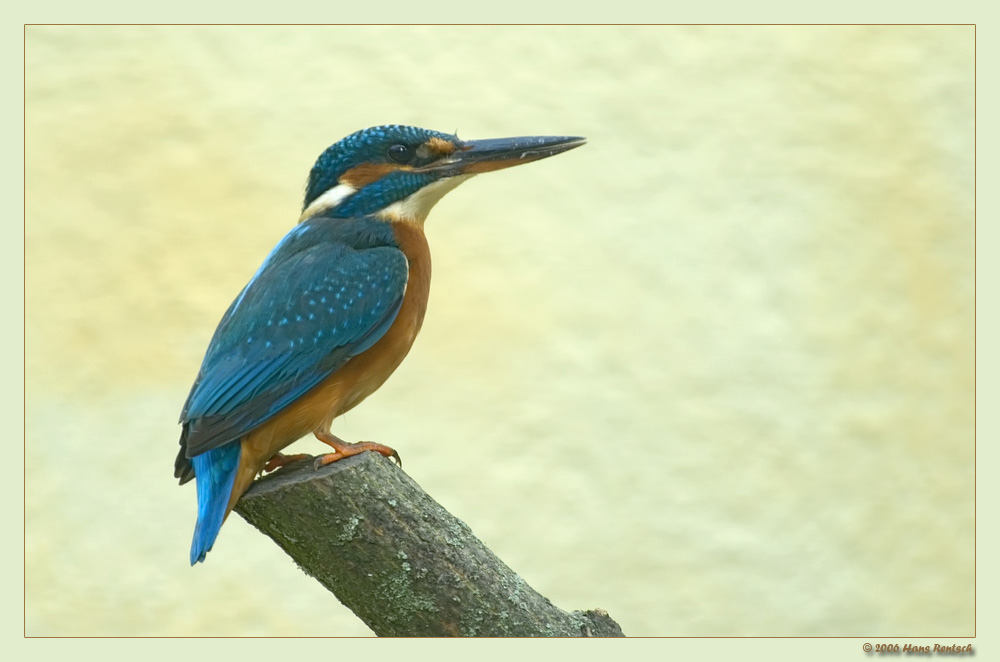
(331, 312)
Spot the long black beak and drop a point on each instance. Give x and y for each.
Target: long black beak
(475, 156)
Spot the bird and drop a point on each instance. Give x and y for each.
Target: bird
(330, 313)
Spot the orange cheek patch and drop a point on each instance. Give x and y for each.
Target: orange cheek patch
(366, 173)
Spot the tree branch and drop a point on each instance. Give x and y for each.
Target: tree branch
(397, 559)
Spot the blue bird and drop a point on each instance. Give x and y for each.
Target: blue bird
(331, 312)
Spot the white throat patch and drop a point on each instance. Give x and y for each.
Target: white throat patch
(416, 207)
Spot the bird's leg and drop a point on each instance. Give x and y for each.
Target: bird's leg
(343, 449)
(279, 460)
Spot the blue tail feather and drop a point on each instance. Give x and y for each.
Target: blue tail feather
(214, 472)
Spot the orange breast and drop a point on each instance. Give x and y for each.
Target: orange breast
(356, 380)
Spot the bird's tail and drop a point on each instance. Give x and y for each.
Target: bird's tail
(214, 472)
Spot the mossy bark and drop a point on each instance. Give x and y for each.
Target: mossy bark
(397, 559)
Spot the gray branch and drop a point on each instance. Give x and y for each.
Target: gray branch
(397, 559)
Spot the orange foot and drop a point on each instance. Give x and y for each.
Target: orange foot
(279, 460)
(342, 449)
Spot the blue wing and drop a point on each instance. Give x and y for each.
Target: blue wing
(311, 306)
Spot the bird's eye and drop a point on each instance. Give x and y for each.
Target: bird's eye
(400, 153)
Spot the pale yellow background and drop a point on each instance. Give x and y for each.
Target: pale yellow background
(712, 372)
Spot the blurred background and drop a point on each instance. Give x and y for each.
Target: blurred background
(712, 372)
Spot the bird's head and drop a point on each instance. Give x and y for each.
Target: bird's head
(400, 172)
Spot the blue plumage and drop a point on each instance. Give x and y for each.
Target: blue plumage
(215, 470)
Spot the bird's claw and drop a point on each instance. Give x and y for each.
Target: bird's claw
(355, 449)
(323, 460)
